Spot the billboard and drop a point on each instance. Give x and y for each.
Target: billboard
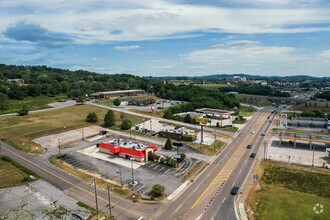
(284, 121)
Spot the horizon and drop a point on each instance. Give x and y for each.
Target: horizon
(173, 38)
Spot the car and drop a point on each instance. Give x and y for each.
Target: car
(263, 134)
(164, 125)
(177, 127)
(252, 132)
(62, 100)
(253, 155)
(249, 146)
(270, 121)
(234, 191)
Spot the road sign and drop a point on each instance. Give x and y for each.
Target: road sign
(283, 121)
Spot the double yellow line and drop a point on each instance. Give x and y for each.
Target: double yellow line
(213, 182)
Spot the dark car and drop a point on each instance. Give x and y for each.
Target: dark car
(234, 191)
(177, 127)
(253, 155)
(249, 146)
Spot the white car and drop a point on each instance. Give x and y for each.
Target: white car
(252, 132)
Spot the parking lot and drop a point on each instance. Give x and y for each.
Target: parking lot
(158, 105)
(302, 154)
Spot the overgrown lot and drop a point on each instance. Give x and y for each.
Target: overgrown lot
(290, 193)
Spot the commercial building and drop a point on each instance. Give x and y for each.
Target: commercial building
(115, 94)
(127, 149)
(180, 135)
(287, 83)
(141, 102)
(215, 113)
(236, 79)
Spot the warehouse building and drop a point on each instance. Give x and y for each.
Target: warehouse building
(115, 94)
(127, 149)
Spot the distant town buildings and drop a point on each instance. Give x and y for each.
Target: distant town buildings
(287, 83)
(236, 79)
(127, 149)
(115, 94)
(261, 82)
(18, 81)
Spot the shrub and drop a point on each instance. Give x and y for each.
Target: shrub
(126, 124)
(92, 117)
(23, 111)
(152, 197)
(60, 156)
(117, 102)
(158, 190)
(25, 179)
(187, 119)
(168, 145)
(168, 114)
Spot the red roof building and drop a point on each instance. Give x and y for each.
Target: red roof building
(127, 149)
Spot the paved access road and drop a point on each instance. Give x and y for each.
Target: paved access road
(209, 196)
(230, 166)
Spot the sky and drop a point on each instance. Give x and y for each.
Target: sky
(169, 37)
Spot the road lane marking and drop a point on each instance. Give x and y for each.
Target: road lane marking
(240, 172)
(74, 185)
(233, 184)
(227, 163)
(224, 200)
(178, 208)
(245, 161)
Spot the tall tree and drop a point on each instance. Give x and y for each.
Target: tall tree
(109, 119)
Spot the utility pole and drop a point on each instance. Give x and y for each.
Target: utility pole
(150, 124)
(132, 159)
(97, 208)
(0, 147)
(215, 136)
(109, 201)
(29, 143)
(313, 155)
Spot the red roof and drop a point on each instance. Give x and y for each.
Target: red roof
(128, 151)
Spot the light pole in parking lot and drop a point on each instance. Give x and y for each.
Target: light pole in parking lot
(313, 155)
(58, 144)
(132, 159)
(121, 182)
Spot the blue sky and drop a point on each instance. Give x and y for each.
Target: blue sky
(169, 37)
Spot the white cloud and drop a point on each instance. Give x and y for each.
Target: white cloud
(130, 20)
(165, 67)
(126, 48)
(198, 67)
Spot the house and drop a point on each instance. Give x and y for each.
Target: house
(127, 149)
(18, 81)
(141, 102)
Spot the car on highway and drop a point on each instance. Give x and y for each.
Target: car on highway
(234, 191)
(252, 132)
(249, 146)
(263, 134)
(253, 155)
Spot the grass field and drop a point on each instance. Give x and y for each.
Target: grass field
(34, 103)
(206, 149)
(246, 111)
(320, 106)
(252, 100)
(213, 86)
(12, 174)
(18, 130)
(159, 114)
(290, 193)
(110, 102)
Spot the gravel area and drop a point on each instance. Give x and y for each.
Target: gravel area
(38, 200)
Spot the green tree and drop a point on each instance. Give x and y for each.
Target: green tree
(126, 124)
(310, 104)
(168, 145)
(116, 102)
(168, 114)
(4, 103)
(92, 117)
(326, 105)
(315, 104)
(187, 119)
(81, 100)
(306, 104)
(24, 110)
(109, 119)
(218, 125)
(158, 190)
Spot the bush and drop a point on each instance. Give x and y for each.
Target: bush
(23, 111)
(109, 119)
(187, 119)
(158, 190)
(152, 197)
(126, 124)
(25, 179)
(117, 102)
(92, 117)
(168, 114)
(60, 156)
(168, 145)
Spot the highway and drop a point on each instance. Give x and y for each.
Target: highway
(206, 198)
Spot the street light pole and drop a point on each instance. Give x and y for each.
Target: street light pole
(58, 144)
(132, 159)
(313, 155)
(121, 182)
